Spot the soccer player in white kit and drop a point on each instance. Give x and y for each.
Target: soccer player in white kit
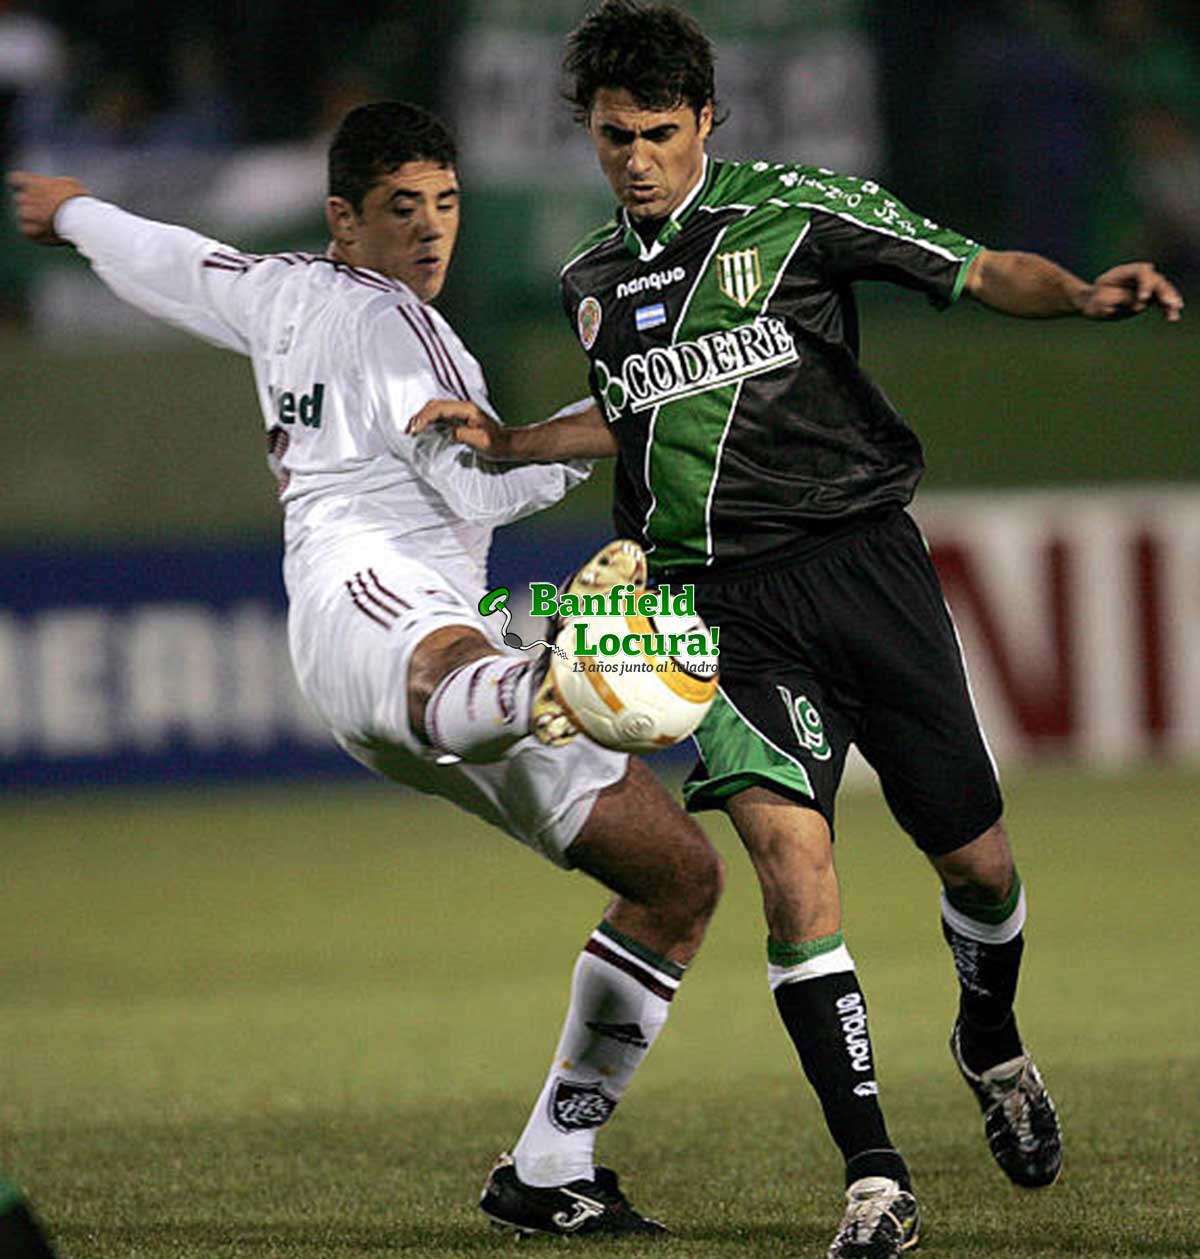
(386, 538)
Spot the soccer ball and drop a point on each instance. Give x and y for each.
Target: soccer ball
(634, 702)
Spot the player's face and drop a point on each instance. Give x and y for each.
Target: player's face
(407, 228)
(651, 157)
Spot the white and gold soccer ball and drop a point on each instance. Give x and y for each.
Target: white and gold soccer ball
(639, 701)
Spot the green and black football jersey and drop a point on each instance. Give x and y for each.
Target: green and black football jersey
(725, 356)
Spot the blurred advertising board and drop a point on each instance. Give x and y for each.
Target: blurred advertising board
(149, 665)
(799, 82)
(1079, 615)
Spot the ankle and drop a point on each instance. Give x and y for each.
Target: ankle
(883, 1162)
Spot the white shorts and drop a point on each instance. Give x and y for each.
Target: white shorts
(352, 631)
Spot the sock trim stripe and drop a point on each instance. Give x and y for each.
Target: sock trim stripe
(782, 954)
(836, 962)
(984, 932)
(657, 984)
(664, 966)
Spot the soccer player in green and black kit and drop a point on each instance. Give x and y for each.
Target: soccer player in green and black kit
(759, 462)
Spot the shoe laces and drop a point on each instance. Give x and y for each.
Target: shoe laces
(868, 1201)
(1015, 1093)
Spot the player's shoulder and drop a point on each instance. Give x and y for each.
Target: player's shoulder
(356, 284)
(593, 241)
(322, 276)
(397, 330)
(789, 183)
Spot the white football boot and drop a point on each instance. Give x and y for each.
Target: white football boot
(881, 1221)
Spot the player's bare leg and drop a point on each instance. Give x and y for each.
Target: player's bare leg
(819, 999)
(666, 875)
(983, 918)
(792, 853)
(667, 878)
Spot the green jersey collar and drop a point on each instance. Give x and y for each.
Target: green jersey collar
(671, 228)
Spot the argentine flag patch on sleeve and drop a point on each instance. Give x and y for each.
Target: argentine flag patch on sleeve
(650, 316)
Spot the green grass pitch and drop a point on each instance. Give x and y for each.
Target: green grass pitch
(301, 1022)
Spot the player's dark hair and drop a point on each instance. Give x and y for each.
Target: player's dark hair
(658, 54)
(373, 140)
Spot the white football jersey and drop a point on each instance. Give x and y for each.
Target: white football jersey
(343, 358)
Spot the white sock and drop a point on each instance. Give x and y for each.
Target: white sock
(482, 709)
(620, 997)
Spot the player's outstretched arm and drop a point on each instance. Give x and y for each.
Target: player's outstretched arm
(572, 434)
(36, 199)
(161, 268)
(1031, 286)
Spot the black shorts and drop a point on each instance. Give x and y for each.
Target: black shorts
(850, 644)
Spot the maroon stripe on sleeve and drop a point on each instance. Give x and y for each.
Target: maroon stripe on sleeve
(232, 255)
(449, 358)
(421, 336)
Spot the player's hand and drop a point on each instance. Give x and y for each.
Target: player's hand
(465, 423)
(1128, 290)
(37, 198)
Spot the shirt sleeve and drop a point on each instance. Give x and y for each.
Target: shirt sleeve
(410, 362)
(870, 235)
(170, 272)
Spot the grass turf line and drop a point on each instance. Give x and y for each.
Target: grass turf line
(300, 1023)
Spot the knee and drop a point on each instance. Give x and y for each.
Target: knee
(708, 881)
(790, 847)
(687, 891)
(684, 904)
(981, 872)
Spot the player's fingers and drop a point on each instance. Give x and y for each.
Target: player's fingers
(1146, 286)
(1168, 297)
(471, 435)
(417, 423)
(1148, 282)
(431, 412)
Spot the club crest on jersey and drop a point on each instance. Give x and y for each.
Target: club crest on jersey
(588, 321)
(739, 275)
